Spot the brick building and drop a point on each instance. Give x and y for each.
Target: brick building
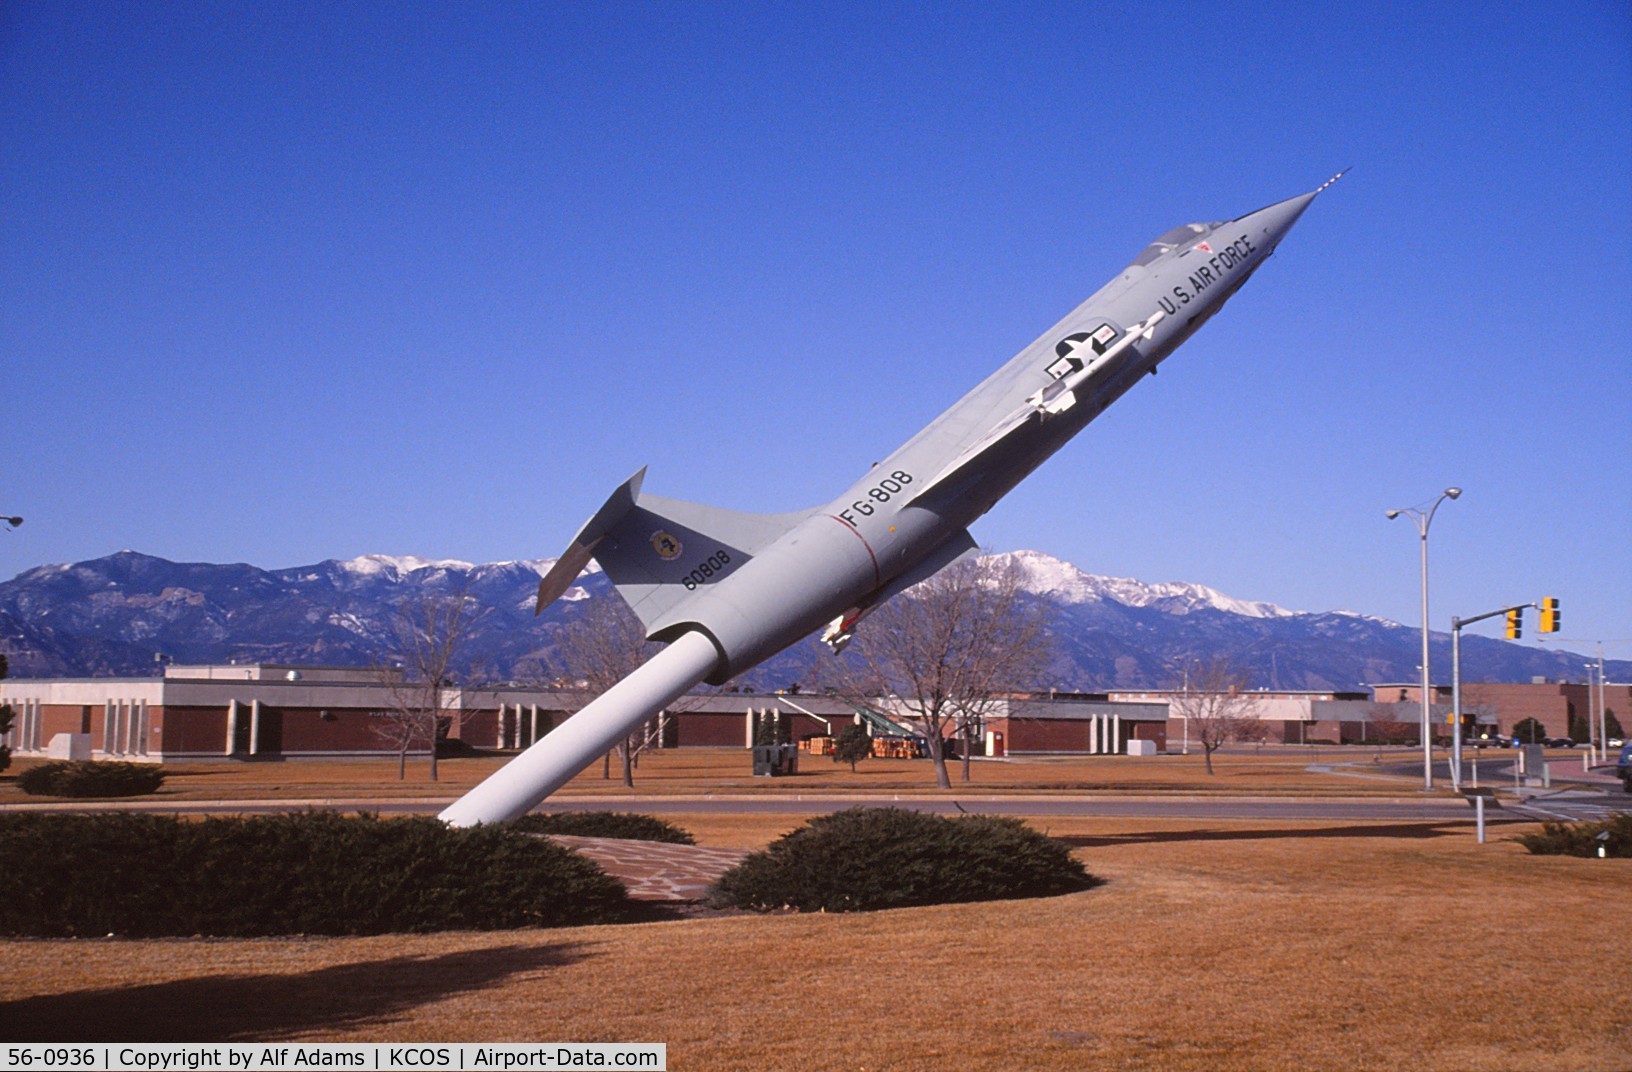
(264, 711)
(208, 712)
(1082, 723)
(1503, 705)
(1286, 716)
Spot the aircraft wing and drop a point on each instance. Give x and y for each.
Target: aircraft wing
(1055, 398)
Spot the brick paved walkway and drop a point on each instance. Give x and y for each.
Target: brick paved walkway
(654, 870)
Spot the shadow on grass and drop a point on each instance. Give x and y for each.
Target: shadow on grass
(226, 1008)
(1375, 830)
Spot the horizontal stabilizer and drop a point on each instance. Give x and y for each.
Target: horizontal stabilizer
(658, 551)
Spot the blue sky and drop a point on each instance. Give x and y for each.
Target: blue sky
(300, 281)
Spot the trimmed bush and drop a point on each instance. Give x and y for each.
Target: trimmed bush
(312, 873)
(869, 858)
(607, 824)
(1581, 839)
(90, 779)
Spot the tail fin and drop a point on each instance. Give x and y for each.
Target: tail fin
(657, 551)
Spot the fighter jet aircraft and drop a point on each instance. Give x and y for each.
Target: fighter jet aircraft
(727, 590)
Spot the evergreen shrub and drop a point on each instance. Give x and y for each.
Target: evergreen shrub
(607, 824)
(311, 873)
(91, 779)
(870, 858)
(1530, 731)
(1581, 839)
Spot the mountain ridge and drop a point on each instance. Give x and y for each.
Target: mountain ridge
(118, 614)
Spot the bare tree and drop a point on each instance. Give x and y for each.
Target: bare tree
(950, 649)
(399, 724)
(603, 645)
(1215, 704)
(1387, 727)
(426, 636)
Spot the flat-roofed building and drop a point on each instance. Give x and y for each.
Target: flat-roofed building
(210, 712)
(1561, 707)
(1076, 723)
(1285, 716)
(254, 711)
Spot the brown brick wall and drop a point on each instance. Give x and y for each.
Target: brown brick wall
(1045, 735)
(194, 729)
(698, 729)
(480, 729)
(1551, 704)
(1514, 703)
(1150, 731)
(306, 730)
(70, 718)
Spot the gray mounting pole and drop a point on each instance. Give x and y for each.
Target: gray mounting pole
(1456, 688)
(1423, 519)
(518, 786)
(1456, 714)
(1427, 687)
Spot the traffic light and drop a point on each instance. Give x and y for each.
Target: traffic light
(1549, 615)
(1515, 623)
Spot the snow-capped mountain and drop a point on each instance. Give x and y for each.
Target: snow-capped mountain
(114, 615)
(1059, 580)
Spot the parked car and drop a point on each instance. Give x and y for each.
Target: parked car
(1559, 742)
(1623, 766)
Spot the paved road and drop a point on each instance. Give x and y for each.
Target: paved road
(1570, 806)
(1429, 809)
(1574, 793)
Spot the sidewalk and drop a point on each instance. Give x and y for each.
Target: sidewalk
(655, 870)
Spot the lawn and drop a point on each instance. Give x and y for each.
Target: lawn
(1249, 770)
(1212, 946)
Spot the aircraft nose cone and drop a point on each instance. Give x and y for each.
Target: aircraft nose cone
(1269, 225)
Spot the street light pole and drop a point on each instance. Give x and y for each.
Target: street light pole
(1423, 518)
(1592, 722)
(1603, 712)
(1456, 702)
(1597, 714)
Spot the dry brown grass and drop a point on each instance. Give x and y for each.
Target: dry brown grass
(1268, 772)
(1213, 946)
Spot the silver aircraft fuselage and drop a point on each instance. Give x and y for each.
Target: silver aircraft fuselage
(728, 590)
(909, 505)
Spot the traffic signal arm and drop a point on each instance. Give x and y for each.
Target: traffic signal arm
(1515, 618)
